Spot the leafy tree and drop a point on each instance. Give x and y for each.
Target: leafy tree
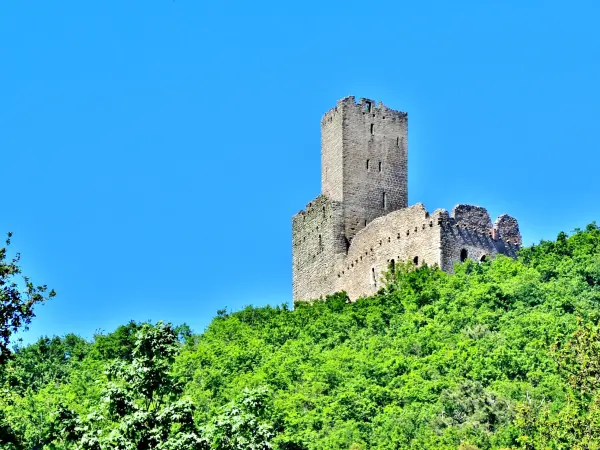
(49, 360)
(8, 439)
(16, 302)
(119, 344)
(577, 425)
(242, 425)
(141, 406)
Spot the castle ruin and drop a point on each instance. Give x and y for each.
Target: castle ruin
(361, 224)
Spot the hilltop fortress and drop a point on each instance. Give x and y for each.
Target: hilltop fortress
(361, 224)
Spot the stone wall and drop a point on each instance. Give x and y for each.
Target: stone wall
(508, 230)
(324, 264)
(364, 160)
(409, 234)
(317, 240)
(332, 164)
(469, 233)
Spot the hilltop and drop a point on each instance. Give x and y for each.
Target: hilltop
(499, 354)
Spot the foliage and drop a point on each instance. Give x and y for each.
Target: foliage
(140, 407)
(499, 355)
(49, 360)
(577, 425)
(16, 302)
(119, 344)
(241, 424)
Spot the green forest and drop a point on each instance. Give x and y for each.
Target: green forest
(503, 354)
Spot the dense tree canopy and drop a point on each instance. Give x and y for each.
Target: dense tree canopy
(499, 355)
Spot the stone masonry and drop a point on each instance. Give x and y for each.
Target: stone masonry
(361, 225)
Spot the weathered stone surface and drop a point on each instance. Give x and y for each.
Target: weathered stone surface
(361, 224)
(508, 229)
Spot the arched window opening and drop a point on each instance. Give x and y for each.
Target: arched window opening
(365, 222)
(416, 260)
(380, 166)
(463, 255)
(367, 164)
(373, 279)
(372, 128)
(483, 258)
(397, 142)
(393, 266)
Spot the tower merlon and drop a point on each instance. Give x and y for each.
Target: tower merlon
(366, 106)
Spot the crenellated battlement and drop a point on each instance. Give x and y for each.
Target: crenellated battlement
(361, 224)
(365, 106)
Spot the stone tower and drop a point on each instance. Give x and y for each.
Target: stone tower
(364, 160)
(361, 225)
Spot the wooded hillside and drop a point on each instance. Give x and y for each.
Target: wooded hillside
(501, 354)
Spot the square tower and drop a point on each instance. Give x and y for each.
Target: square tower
(364, 160)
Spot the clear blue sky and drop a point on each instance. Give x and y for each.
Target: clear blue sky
(154, 152)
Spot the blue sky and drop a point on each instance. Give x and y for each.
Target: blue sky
(154, 152)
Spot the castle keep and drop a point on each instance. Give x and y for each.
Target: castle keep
(361, 224)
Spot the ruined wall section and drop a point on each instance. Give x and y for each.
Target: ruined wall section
(469, 233)
(322, 266)
(317, 243)
(410, 234)
(364, 160)
(508, 230)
